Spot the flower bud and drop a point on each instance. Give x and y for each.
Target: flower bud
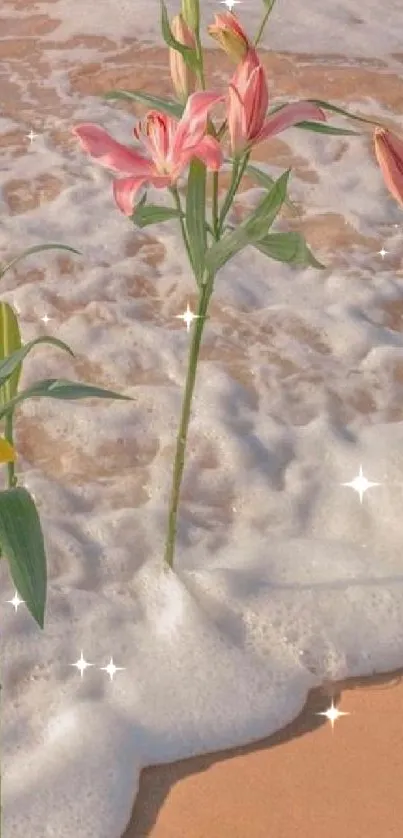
(183, 77)
(230, 35)
(389, 154)
(190, 11)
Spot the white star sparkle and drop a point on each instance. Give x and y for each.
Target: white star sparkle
(360, 484)
(15, 601)
(81, 664)
(111, 668)
(45, 318)
(383, 252)
(31, 136)
(187, 317)
(332, 714)
(230, 3)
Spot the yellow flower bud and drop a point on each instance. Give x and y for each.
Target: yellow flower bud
(183, 77)
(230, 35)
(7, 453)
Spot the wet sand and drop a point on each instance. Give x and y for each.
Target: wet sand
(306, 781)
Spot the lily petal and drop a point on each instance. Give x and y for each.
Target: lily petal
(288, 116)
(256, 101)
(99, 144)
(192, 125)
(237, 125)
(126, 189)
(208, 150)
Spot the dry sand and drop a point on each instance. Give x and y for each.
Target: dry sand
(306, 781)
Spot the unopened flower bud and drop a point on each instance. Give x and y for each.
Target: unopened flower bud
(389, 154)
(183, 77)
(190, 11)
(230, 35)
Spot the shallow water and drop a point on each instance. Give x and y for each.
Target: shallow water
(285, 579)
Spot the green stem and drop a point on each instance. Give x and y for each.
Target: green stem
(199, 53)
(8, 433)
(238, 168)
(263, 23)
(175, 194)
(215, 215)
(204, 298)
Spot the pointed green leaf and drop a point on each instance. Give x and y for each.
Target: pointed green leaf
(323, 128)
(319, 127)
(288, 247)
(22, 543)
(8, 366)
(60, 388)
(265, 180)
(196, 216)
(251, 230)
(188, 53)
(328, 107)
(174, 109)
(37, 249)
(10, 342)
(152, 214)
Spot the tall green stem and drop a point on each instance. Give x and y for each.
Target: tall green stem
(175, 194)
(204, 298)
(8, 433)
(215, 214)
(263, 23)
(238, 168)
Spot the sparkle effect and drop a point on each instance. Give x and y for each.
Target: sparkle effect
(230, 3)
(111, 668)
(383, 252)
(31, 136)
(332, 714)
(15, 601)
(360, 484)
(81, 664)
(187, 317)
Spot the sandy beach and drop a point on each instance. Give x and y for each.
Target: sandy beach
(306, 780)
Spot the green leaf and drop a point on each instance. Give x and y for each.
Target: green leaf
(328, 107)
(265, 180)
(8, 366)
(21, 541)
(174, 109)
(196, 217)
(319, 127)
(252, 229)
(323, 128)
(10, 343)
(60, 388)
(152, 214)
(188, 53)
(288, 247)
(37, 249)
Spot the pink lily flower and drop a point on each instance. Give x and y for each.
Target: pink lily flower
(248, 100)
(170, 144)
